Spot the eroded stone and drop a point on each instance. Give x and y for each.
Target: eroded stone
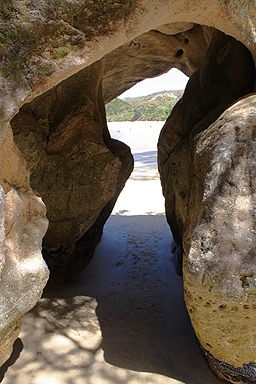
(75, 166)
(216, 218)
(23, 271)
(206, 161)
(45, 43)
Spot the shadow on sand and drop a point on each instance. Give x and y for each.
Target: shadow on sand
(145, 166)
(140, 313)
(17, 348)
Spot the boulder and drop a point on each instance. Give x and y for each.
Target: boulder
(23, 223)
(206, 162)
(219, 247)
(74, 165)
(208, 93)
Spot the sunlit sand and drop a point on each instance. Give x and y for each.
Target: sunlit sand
(142, 193)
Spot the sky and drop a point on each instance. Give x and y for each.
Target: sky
(172, 80)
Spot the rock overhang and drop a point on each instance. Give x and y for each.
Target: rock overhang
(143, 23)
(44, 71)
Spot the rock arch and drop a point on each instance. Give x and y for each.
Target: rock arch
(59, 67)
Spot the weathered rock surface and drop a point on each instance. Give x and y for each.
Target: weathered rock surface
(151, 54)
(75, 166)
(219, 253)
(23, 223)
(203, 101)
(207, 172)
(65, 149)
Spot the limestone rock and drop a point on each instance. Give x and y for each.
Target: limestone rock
(23, 223)
(203, 101)
(177, 257)
(151, 54)
(75, 166)
(219, 257)
(22, 269)
(207, 161)
(174, 28)
(42, 44)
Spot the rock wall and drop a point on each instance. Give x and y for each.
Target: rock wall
(55, 58)
(227, 73)
(23, 223)
(219, 254)
(74, 165)
(206, 161)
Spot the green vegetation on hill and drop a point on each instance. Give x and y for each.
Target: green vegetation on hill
(155, 107)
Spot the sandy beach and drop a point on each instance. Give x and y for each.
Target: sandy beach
(142, 193)
(124, 320)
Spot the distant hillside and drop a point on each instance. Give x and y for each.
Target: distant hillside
(155, 107)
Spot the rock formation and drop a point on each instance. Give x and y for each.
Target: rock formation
(219, 255)
(23, 223)
(209, 92)
(207, 166)
(60, 62)
(62, 132)
(74, 165)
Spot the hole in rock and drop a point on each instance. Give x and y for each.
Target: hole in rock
(179, 52)
(129, 294)
(172, 80)
(141, 312)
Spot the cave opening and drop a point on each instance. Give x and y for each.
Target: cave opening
(64, 138)
(142, 192)
(131, 276)
(75, 165)
(81, 170)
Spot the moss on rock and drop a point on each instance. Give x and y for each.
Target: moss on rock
(28, 29)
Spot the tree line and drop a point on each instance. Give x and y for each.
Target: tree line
(155, 107)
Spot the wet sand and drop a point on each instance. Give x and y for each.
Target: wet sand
(124, 320)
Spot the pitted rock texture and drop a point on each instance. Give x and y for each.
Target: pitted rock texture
(23, 223)
(151, 54)
(74, 164)
(44, 43)
(219, 252)
(207, 170)
(209, 92)
(245, 374)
